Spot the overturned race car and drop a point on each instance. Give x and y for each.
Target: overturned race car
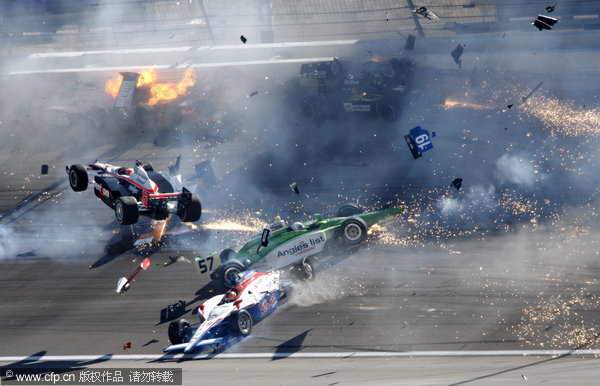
(229, 316)
(136, 191)
(281, 246)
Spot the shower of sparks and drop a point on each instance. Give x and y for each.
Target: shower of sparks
(563, 118)
(227, 225)
(450, 104)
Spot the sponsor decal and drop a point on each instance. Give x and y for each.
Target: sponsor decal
(305, 244)
(350, 107)
(267, 303)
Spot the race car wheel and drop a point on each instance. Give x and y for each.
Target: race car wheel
(348, 210)
(178, 331)
(241, 323)
(354, 231)
(191, 210)
(126, 210)
(78, 177)
(230, 273)
(386, 111)
(226, 254)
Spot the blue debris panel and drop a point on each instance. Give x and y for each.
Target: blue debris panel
(418, 141)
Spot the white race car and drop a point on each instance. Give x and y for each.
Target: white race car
(223, 317)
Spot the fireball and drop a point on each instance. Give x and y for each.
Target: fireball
(159, 91)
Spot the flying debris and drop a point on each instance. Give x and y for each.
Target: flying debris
(423, 11)
(523, 99)
(44, 169)
(544, 22)
(253, 93)
(294, 187)
(243, 39)
(456, 54)
(457, 183)
(418, 141)
(26, 254)
(125, 282)
(550, 8)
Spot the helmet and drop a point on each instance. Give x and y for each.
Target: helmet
(230, 296)
(297, 226)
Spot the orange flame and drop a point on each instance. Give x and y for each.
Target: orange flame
(159, 91)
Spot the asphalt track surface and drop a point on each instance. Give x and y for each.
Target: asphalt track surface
(439, 298)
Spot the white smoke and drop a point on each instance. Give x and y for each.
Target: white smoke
(516, 170)
(8, 247)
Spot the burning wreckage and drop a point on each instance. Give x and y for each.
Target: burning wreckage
(373, 88)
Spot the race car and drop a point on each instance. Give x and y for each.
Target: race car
(373, 88)
(136, 191)
(223, 317)
(280, 246)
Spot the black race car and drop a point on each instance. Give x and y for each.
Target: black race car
(373, 88)
(136, 191)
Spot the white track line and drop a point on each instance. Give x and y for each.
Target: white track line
(299, 355)
(125, 51)
(166, 66)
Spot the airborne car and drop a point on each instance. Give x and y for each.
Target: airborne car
(279, 246)
(226, 316)
(136, 191)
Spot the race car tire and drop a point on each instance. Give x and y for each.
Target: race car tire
(178, 330)
(226, 254)
(354, 231)
(191, 210)
(348, 210)
(78, 177)
(241, 323)
(229, 272)
(386, 112)
(126, 210)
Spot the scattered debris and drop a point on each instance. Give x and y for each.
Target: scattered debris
(456, 54)
(177, 307)
(418, 141)
(544, 22)
(294, 187)
(387, 16)
(243, 39)
(44, 169)
(510, 106)
(524, 377)
(423, 11)
(523, 99)
(125, 282)
(550, 8)
(410, 42)
(26, 254)
(150, 342)
(457, 183)
(253, 93)
(433, 134)
(127, 346)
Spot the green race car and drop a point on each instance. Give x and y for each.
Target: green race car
(280, 246)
